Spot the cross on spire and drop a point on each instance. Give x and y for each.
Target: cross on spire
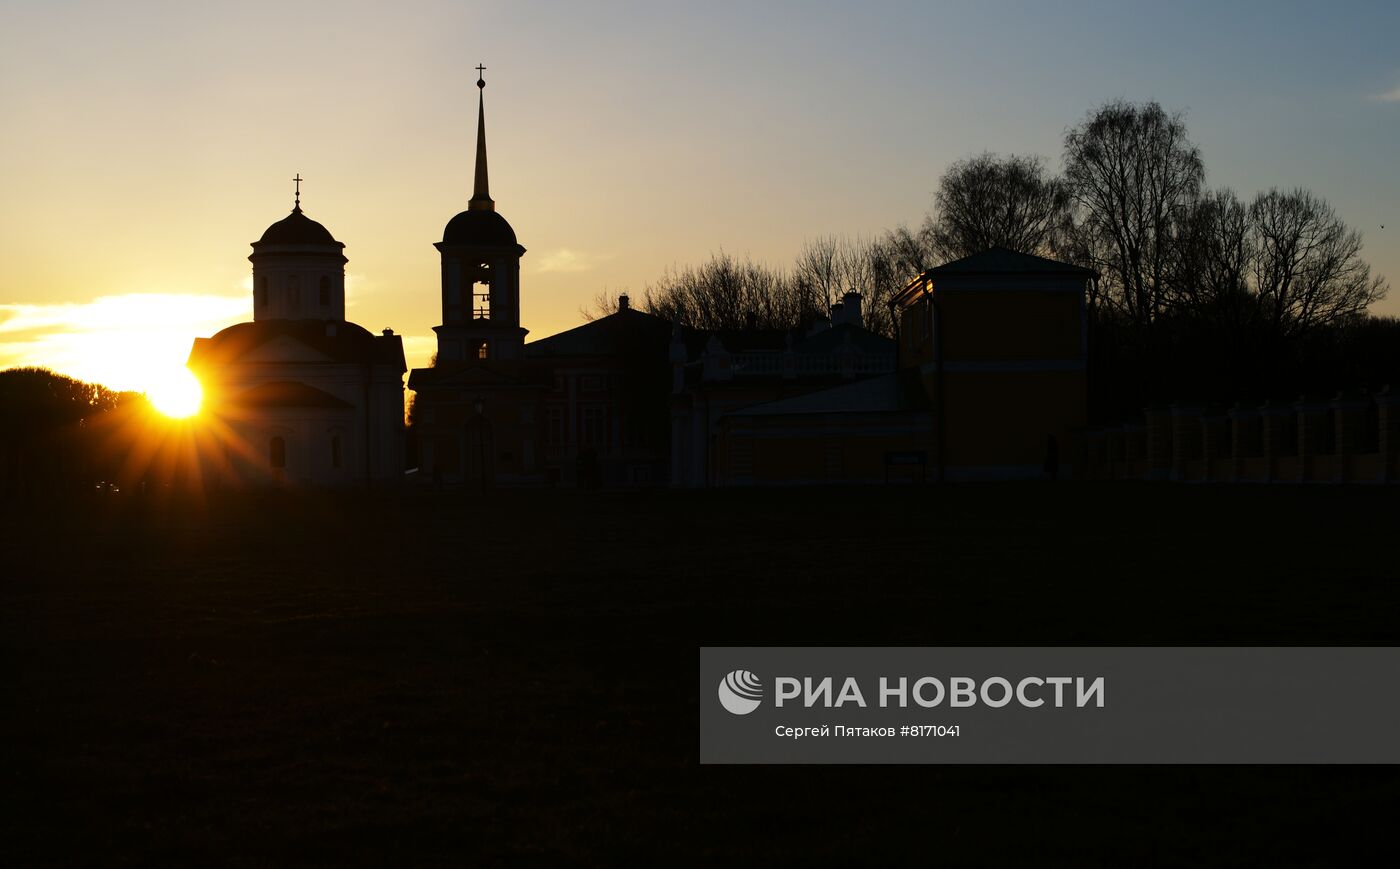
(481, 195)
(298, 201)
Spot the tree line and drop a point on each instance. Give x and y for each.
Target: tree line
(62, 436)
(1260, 291)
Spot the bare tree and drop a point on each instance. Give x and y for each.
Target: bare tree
(1213, 254)
(992, 201)
(1133, 173)
(820, 270)
(1307, 267)
(603, 303)
(726, 293)
(830, 266)
(909, 254)
(894, 259)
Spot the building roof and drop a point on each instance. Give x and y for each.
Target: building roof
(337, 340)
(830, 340)
(899, 391)
(1001, 261)
(285, 393)
(619, 333)
(475, 373)
(297, 228)
(479, 227)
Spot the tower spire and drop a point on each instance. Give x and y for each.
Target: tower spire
(296, 206)
(481, 193)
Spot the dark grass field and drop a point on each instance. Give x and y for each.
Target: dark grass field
(419, 680)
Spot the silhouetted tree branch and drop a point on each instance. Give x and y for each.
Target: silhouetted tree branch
(603, 303)
(991, 201)
(1133, 174)
(726, 293)
(1209, 276)
(1307, 265)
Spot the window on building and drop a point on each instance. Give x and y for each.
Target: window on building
(483, 349)
(1368, 438)
(481, 301)
(1326, 435)
(1286, 436)
(556, 426)
(592, 434)
(335, 451)
(325, 291)
(277, 453)
(480, 280)
(262, 291)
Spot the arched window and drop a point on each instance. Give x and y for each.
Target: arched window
(335, 451)
(262, 290)
(294, 290)
(277, 452)
(483, 350)
(325, 291)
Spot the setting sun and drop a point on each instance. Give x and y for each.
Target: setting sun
(177, 396)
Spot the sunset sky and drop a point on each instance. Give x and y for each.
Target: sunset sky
(146, 144)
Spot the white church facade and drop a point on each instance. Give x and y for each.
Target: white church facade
(300, 397)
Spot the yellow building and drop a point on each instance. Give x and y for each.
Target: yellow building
(990, 385)
(999, 342)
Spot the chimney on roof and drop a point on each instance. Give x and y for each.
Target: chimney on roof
(850, 305)
(623, 302)
(388, 333)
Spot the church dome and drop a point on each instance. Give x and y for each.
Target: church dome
(297, 228)
(478, 228)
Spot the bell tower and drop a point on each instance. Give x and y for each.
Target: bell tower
(480, 272)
